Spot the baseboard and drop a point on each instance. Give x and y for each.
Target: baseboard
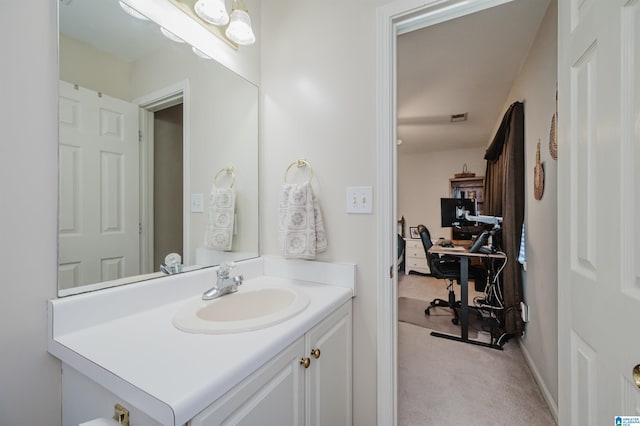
(553, 406)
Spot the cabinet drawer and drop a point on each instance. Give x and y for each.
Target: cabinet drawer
(418, 253)
(413, 244)
(415, 262)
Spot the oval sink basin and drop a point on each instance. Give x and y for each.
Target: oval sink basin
(245, 310)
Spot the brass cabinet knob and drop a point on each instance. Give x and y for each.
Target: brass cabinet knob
(306, 362)
(636, 375)
(315, 353)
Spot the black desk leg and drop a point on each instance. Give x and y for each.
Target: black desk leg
(464, 310)
(464, 296)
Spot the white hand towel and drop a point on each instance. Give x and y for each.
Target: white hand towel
(300, 228)
(219, 234)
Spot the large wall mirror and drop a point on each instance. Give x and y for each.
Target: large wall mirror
(158, 153)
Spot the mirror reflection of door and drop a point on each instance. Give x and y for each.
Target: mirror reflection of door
(167, 183)
(99, 187)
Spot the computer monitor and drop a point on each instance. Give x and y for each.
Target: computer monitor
(452, 211)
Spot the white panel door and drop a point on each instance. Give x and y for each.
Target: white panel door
(99, 188)
(599, 230)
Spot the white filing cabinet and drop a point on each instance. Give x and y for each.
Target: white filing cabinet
(415, 257)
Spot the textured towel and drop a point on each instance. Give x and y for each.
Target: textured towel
(219, 234)
(300, 228)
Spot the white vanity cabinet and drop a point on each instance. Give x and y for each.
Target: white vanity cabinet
(127, 350)
(328, 385)
(308, 383)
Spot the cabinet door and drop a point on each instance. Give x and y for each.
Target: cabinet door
(329, 376)
(273, 395)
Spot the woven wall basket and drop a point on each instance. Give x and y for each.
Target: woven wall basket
(538, 177)
(553, 137)
(553, 132)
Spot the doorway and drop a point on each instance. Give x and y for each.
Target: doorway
(167, 181)
(165, 111)
(399, 16)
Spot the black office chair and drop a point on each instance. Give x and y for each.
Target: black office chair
(446, 267)
(401, 252)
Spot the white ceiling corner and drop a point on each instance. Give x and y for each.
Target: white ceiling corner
(466, 64)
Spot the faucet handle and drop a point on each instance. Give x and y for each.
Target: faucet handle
(225, 268)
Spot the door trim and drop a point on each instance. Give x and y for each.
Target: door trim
(393, 19)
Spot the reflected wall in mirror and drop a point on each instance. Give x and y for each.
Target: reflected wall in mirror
(146, 127)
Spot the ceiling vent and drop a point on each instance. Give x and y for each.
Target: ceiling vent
(458, 117)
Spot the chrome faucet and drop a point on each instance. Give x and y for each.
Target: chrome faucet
(171, 269)
(224, 284)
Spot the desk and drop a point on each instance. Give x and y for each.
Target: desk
(464, 256)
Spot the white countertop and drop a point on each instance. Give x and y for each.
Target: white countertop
(170, 374)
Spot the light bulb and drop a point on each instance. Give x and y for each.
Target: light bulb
(239, 29)
(131, 11)
(171, 36)
(212, 11)
(200, 53)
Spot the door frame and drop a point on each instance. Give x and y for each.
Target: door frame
(392, 20)
(155, 101)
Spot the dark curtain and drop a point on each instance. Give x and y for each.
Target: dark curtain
(504, 196)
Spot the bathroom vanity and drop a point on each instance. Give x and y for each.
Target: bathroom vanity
(119, 346)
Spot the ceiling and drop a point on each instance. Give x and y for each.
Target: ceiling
(466, 65)
(94, 21)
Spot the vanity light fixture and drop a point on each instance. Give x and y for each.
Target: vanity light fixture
(212, 11)
(239, 29)
(131, 11)
(171, 36)
(234, 29)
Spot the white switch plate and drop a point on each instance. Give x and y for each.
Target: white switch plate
(359, 199)
(197, 205)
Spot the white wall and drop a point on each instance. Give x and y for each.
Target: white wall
(88, 67)
(29, 377)
(223, 132)
(423, 178)
(536, 84)
(319, 103)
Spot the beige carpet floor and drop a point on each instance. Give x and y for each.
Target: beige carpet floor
(412, 311)
(443, 382)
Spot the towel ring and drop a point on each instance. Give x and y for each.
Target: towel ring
(228, 171)
(300, 163)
